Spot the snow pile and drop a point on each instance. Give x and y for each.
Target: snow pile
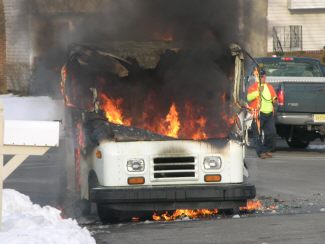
(317, 147)
(27, 223)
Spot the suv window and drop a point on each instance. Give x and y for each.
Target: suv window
(292, 69)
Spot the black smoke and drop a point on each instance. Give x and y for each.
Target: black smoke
(192, 21)
(208, 24)
(201, 72)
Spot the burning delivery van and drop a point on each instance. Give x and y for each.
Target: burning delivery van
(159, 137)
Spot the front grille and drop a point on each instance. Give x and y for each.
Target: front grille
(174, 167)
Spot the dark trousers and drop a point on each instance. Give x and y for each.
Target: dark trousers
(266, 140)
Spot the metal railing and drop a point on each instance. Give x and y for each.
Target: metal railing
(287, 38)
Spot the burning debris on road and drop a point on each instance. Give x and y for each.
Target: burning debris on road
(263, 205)
(252, 207)
(181, 213)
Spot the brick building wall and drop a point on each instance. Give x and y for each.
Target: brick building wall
(3, 83)
(18, 50)
(20, 42)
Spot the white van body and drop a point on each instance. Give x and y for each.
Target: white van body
(167, 174)
(111, 169)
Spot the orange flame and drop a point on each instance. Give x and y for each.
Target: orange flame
(168, 126)
(252, 205)
(80, 136)
(190, 123)
(229, 120)
(64, 75)
(166, 36)
(112, 110)
(195, 123)
(173, 121)
(181, 213)
(81, 143)
(256, 74)
(200, 134)
(223, 98)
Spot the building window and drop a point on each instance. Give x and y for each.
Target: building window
(287, 38)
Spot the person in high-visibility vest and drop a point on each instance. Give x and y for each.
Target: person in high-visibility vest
(262, 98)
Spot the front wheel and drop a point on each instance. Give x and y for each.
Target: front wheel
(297, 143)
(107, 216)
(110, 216)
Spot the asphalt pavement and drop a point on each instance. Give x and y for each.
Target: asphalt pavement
(299, 228)
(290, 188)
(292, 182)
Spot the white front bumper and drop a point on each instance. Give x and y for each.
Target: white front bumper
(111, 169)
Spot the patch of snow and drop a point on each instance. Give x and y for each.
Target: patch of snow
(322, 209)
(26, 223)
(317, 147)
(236, 216)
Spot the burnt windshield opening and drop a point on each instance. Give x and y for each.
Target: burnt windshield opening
(185, 95)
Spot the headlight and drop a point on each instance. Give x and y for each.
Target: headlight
(212, 162)
(135, 165)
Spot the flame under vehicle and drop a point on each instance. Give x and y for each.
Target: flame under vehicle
(135, 154)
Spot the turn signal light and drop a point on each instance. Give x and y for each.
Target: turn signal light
(286, 59)
(98, 154)
(212, 178)
(135, 180)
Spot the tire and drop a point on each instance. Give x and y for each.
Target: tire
(297, 143)
(250, 138)
(85, 207)
(106, 215)
(85, 204)
(109, 216)
(230, 211)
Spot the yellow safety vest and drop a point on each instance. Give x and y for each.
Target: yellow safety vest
(266, 100)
